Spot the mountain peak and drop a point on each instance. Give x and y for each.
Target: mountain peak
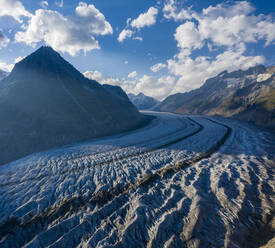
(140, 94)
(45, 61)
(43, 54)
(46, 48)
(46, 51)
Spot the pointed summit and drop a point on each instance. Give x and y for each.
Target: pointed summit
(44, 53)
(45, 61)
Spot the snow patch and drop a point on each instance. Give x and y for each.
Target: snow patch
(263, 77)
(233, 82)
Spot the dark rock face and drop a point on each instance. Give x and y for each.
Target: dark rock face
(142, 101)
(117, 91)
(246, 95)
(45, 102)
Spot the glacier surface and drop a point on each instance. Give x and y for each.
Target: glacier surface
(178, 182)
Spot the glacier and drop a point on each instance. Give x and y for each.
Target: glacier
(181, 181)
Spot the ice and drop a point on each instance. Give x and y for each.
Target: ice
(129, 190)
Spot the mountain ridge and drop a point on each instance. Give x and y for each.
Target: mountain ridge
(245, 95)
(142, 101)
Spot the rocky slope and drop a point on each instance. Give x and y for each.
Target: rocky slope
(246, 95)
(142, 101)
(45, 102)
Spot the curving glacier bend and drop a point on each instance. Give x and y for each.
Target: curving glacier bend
(181, 181)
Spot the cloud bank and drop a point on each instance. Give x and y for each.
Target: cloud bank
(14, 9)
(66, 34)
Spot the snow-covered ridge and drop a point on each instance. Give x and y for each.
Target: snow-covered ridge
(236, 82)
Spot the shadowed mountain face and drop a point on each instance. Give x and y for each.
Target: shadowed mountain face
(3, 74)
(117, 91)
(142, 101)
(246, 95)
(45, 102)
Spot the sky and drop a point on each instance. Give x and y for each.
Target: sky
(158, 47)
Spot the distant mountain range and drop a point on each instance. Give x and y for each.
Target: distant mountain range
(142, 101)
(246, 95)
(45, 102)
(3, 74)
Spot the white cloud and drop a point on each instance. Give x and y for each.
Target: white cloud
(193, 72)
(98, 76)
(3, 40)
(125, 33)
(225, 25)
(138, 38)
(89, 15)
(171, 11)
(126, 62)
(153, 86)
(44, 4)
(128, 21)
(145, 19)
(133, 74)
(14, 9)
(66, 34)
(111, 81)
(59, 4)
(93, 75)
(18, 59)
(226, 10)
(188, 37)
(149, 85)
(157, 67)
(6, 67)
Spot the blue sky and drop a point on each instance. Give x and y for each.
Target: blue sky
(157, 47)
